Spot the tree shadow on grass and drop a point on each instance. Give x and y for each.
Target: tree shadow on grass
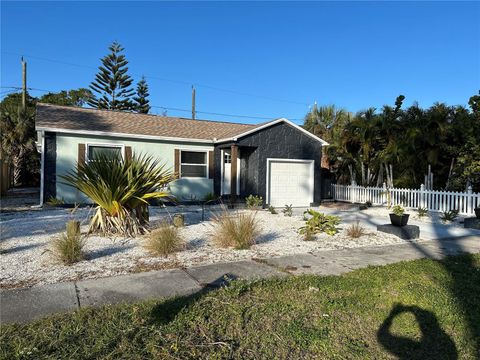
(434, 342)
(168, 310)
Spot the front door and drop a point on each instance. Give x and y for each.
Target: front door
(227, 171)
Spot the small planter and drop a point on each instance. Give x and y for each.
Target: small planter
(399, 220)
(477, 212)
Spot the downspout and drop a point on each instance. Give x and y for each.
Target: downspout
(42, 167)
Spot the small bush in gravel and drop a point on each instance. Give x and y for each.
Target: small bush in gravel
(288, 210)
(164, 240)
(68, 248)
(449, 215)
(422, 212)
(272, 210)
(239, 232)
(254, 201)
(318, 222)
(355, 230)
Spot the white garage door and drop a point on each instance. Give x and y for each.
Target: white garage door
(290, 182)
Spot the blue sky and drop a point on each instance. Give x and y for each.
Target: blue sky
(354, 55)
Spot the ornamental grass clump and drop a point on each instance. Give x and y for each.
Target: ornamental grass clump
(121, 190)
(355, 231)
(68, 248)
(317, 222)
(164, 240)
(239, 231)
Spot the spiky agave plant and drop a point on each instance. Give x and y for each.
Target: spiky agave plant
(121, 190)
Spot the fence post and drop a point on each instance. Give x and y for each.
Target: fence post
(384, 193)
(469, 201)
(422, 196)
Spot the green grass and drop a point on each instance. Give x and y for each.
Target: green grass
(348, 317)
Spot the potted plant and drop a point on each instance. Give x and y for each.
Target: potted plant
(398, 216)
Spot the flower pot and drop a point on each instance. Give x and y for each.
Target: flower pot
(477, 212)
(399, 220)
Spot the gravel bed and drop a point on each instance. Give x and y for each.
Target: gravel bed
(25, 258)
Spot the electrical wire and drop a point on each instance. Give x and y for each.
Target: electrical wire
(166, 79)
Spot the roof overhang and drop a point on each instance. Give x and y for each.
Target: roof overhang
(123, 135)
(269, 124)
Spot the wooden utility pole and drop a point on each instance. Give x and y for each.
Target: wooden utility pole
(24, 84)
(193, 102)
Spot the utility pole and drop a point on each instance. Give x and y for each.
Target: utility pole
(24, 84)
(193, 102)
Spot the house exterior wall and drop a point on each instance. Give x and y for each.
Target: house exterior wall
(66, 146)
(278, 141)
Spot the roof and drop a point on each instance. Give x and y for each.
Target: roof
(77, 120)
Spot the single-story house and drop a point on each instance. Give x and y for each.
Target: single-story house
(277, 160)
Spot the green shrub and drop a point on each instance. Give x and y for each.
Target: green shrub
(68, 248)
(398, 210)
(272, 210)
(422, 212)
(355, 230)
(308, 235)
(238, 231)
(288, 210)
(449, 215)
(164, 240)
(53, 201)
(121, 190)
(319, 222)
(254, 201)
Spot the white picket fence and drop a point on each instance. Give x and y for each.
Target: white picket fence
(464, 202)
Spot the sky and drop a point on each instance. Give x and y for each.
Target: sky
(253, 60)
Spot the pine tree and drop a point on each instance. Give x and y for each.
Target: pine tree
(112, 83)
(141, 100)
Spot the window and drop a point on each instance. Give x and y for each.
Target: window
(94, 151)
(193, 164)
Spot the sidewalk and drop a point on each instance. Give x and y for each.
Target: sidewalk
(24, 305)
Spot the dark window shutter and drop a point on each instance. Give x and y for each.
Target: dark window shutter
(81, 154)
(177, 162)
(128, 153)
(211, 165)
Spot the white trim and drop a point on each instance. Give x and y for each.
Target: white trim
(312, 175)
(110, 145)
(123, 135)
(180, 139)
(42, 168)
(222, 169)
(271, 123)
(207, 164)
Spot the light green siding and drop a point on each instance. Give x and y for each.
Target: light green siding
(183, 189)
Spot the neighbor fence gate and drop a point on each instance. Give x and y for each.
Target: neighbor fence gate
(464, 202)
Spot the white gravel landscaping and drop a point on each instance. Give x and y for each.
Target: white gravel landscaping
(26, 260)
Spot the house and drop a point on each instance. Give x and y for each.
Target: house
(277, 160)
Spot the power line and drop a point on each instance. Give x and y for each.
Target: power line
(16, 88)
(166, 79)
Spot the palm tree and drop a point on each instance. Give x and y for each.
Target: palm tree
(121, 190)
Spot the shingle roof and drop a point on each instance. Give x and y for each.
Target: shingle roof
(82, 119)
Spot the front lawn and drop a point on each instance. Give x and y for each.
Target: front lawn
(413, 310)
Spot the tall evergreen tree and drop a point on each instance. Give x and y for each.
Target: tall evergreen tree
(141, 100)
(112, 83)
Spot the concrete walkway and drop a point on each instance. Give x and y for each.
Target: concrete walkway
(24, 305)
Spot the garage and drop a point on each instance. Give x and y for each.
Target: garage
(290, 181)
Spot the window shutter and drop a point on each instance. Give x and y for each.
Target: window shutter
(177, 162)
(128, 153)
(211, 165)
(81, 154)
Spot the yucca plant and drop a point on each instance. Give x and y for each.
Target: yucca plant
(121, 190)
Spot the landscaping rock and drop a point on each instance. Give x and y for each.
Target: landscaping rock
(472, 223)
(406, 232)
